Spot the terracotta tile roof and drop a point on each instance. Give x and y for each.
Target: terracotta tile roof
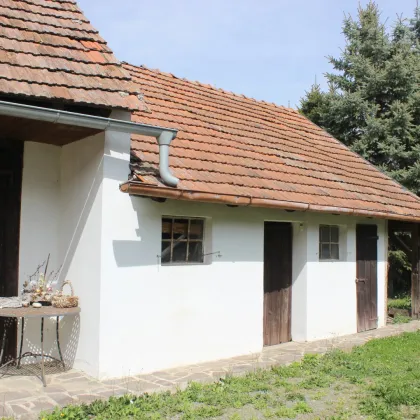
(49, 50)
(258, 153)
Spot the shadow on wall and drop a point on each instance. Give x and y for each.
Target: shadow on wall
(84, 210)
(69, 328)
(86, 198)
(127, 253)
(231, 234)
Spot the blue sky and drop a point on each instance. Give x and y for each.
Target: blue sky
(266, 49)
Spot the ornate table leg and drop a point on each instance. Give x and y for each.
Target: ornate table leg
(42, 353)
(58, 343)
(21, 341)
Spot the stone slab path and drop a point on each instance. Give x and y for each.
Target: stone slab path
(24, 397)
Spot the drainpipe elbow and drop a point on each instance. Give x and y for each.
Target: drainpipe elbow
(164, 141)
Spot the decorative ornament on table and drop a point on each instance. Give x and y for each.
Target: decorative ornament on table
(40, 287)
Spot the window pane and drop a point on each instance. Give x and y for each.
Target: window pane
(196, 229)
(334, 234)
(179, 252)
(166, 228)
(180, 228)
(324, 233)
(334, 252)
(325, 252)
(196, 252)
(166, 252)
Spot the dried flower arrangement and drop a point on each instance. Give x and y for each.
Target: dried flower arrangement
(40, 285)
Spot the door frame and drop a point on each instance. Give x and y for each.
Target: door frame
(11, 161)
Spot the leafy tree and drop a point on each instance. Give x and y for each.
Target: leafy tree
(373, 101)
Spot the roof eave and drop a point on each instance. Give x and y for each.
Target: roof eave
(149, 190)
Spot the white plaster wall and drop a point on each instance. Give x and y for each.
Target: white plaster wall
(300, 282)
(61, 215)
(167, 316)
(177, 315)
(39, 229)
(332, 300)
(382, 271)
(39, 208)
(80, 245)
(331, 284)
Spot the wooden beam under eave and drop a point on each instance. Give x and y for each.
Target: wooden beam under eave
(415, 278)
(22, 129)
(399, 226)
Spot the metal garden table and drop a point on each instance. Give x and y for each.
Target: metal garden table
(23, 313)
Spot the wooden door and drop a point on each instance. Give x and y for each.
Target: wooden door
(10, 199)
(367, 277)
(277, 282)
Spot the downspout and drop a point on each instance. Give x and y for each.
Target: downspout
(164, 141)
(163, 135)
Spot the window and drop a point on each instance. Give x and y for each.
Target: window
(182, 240)
(329, 242)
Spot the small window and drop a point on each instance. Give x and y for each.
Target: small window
(182, 240)
(329, 243)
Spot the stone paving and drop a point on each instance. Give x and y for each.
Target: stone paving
(24, 397)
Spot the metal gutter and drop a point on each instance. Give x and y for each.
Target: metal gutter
(164, 136)
(147, 190)
(80, 120)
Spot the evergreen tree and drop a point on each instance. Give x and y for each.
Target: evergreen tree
(373, 101)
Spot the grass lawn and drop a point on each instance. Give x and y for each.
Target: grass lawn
(380, 380)
(400, 302)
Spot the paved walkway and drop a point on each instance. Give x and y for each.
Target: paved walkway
(23, 397)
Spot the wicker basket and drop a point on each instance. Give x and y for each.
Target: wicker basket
(65, 301)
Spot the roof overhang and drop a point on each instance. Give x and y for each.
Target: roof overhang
(48, 125)
(150, 190)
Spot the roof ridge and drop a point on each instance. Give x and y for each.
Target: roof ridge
(225, 91)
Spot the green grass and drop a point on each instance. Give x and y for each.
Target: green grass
(401, 319)
(400, 302)
(380, 380)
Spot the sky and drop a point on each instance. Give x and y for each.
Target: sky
(265, 49)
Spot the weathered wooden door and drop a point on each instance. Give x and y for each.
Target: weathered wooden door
(366, 277)
(277, 282)
(10, 199)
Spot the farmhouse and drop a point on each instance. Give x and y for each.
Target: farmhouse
(195, 224)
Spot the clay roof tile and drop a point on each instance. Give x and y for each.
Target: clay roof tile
(49, 50)
(231, 144)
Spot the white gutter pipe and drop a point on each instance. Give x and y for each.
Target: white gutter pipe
(164, 136)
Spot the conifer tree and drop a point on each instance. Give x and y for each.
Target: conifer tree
(373, 101)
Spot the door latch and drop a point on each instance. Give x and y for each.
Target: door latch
(360, 280)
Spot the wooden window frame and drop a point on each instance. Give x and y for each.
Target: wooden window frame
(329, 242)
(188, 240)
